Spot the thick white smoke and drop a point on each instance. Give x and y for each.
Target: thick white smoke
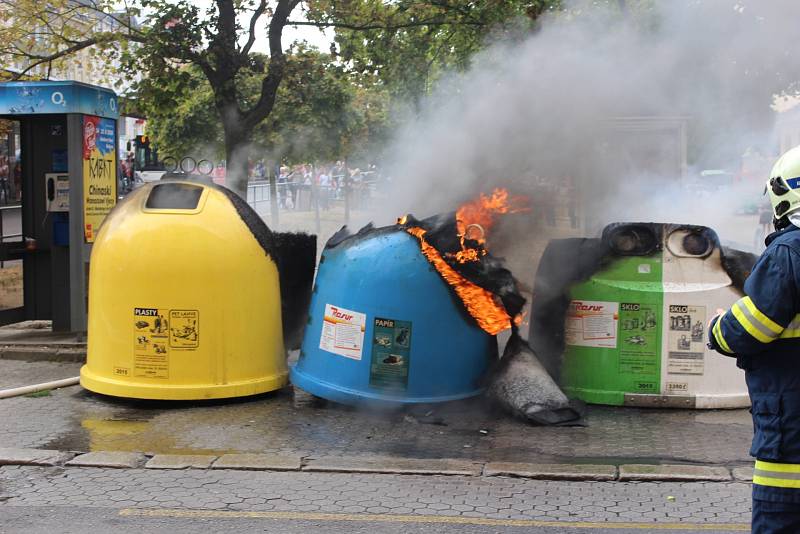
(544, 108)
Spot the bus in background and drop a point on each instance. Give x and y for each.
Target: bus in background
(146, 165)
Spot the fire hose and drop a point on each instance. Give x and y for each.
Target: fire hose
(25, 390)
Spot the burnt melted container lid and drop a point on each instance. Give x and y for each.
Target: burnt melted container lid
(690, 241)
(644, 239)
(633, 239)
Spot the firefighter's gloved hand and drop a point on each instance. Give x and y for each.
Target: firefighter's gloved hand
(712, 341)
(719, 313)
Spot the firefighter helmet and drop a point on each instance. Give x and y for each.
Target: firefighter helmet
(783, 186)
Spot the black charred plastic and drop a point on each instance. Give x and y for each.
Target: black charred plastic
(297, 254)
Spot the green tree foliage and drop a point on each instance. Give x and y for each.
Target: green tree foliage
(316, 112)
(410, 43)
(321, 113)
(190, 124)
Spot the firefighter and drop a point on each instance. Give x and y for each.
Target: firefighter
(762, 331)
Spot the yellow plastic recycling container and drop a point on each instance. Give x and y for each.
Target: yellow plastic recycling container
(184, 298)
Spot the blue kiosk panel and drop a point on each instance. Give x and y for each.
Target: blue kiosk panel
(38, 98)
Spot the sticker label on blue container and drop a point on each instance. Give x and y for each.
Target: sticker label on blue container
(343, 332)
(391, 352)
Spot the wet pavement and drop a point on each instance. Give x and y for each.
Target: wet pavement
(16, 373)
(77, 420)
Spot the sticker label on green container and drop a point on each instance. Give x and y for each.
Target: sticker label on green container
(686, 339)
(640, 348)
(592, 323)
(391, 353)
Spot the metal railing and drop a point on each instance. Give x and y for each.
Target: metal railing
(355, 193)
(302, 197)
(259, 190)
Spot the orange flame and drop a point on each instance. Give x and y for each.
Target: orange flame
(474, 220)
(480, 303)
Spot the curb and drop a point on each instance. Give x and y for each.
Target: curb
(379, 465)
(57, 352)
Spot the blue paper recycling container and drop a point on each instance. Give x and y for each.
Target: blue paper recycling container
(385, 328)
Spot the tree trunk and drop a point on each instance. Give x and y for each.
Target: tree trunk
(236, 156)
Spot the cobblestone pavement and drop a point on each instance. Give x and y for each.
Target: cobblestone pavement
(74, 419)
(336, 493)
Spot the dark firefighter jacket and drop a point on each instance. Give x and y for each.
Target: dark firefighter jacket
(763, 331)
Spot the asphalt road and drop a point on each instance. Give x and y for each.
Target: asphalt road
(79, 520)
(86, 499)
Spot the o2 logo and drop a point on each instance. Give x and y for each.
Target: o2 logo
(57, 98)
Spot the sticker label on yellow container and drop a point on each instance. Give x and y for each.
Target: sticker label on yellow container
(155, 332)
(151, 343)
(184, 331)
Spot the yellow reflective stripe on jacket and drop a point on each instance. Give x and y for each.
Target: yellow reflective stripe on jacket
(792, 329)
(717, 331)
(760, 317)
(776, 475)
(777, 467)
(755, 322)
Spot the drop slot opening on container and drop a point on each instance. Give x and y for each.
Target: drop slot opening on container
(174, 197)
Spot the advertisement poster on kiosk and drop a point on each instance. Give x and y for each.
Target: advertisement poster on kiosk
(99, 172)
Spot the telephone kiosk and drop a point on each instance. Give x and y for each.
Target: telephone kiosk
(68, 156)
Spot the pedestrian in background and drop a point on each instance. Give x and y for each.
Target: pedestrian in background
(309, 188)
(282, 186)
(762, 331)
(259, 170)
(5, 179)
(291, 185)
(18, 181)
(324, 182)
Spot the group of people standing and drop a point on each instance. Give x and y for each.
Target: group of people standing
(302, 186)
